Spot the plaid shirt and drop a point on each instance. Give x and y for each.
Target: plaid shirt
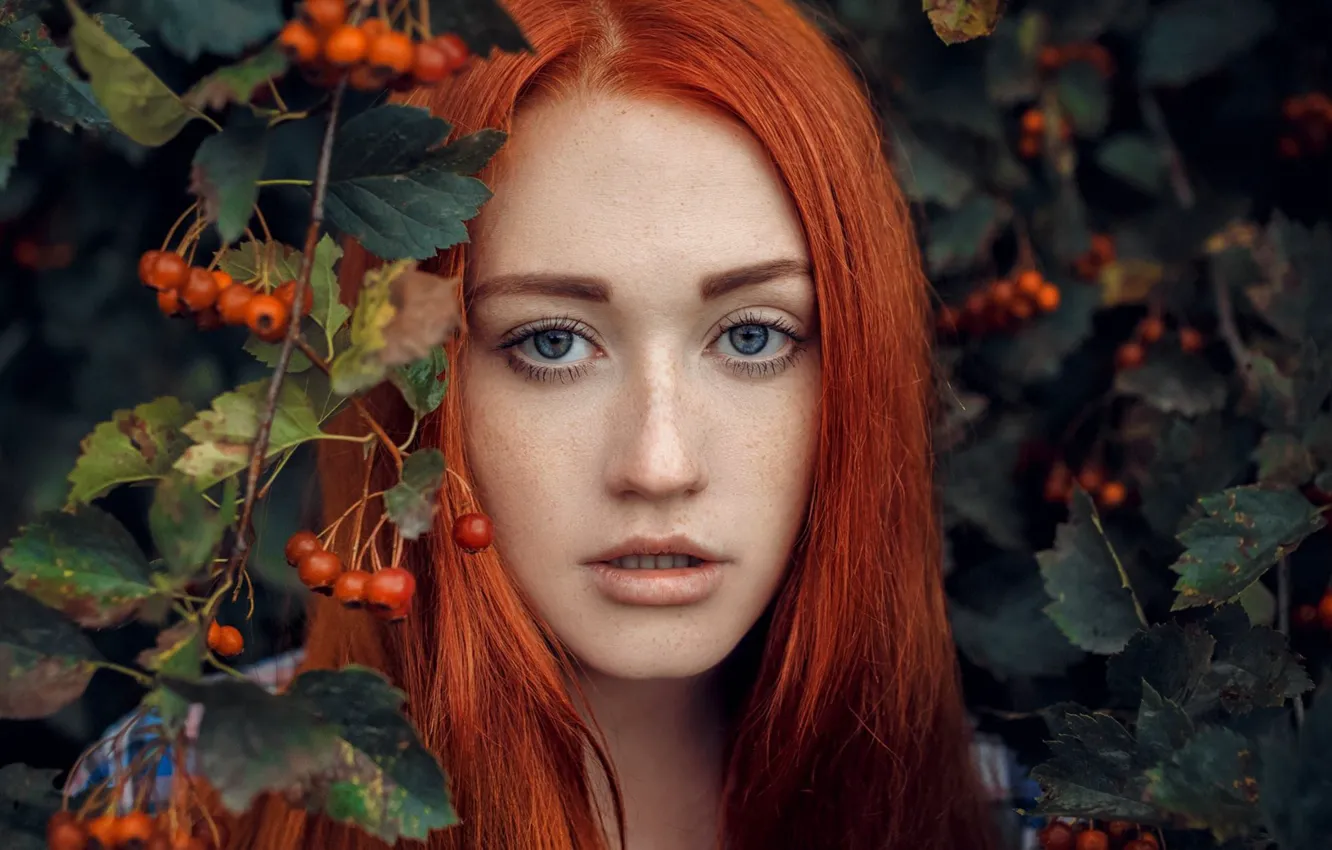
(1004, 779)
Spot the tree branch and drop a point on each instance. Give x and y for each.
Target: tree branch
(375, 427)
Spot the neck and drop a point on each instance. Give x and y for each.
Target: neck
(665, 739)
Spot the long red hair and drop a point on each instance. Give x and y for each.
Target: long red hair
(848, 726)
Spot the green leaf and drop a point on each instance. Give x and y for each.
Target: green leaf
(224, 27)
(411, 502)
(1283, 460)
(1188, 39)
(958, 239)
(251, 741)
(1169, 658)
(1162, 727)
(84, 564)
(14, 120)
(1295, 780)
(329, 311)
(1135, 159)
(1038, 351)
(978, 483)
(224, 434)
(1011, 72)
(185, 528)
(227, 167)
(1084, 96)
(1095, 772)
(178, 653)
(1212, 782)
(51, 87)
(482, 24)
(1173, 381)
(135, 445)
(1295, 299)
(385, 781)
(120, 29)
(247, 260)
(31, 795)
(1256, 670)
(1245, 531)
(236, 83)
(359, 367)
(423, 383)
(395, 195)
(138, 103)
(1093, 603)
(962, 20)
(927, 175)
(46, 661)
(12, 10)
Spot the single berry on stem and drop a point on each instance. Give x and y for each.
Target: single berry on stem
(133, 826)
(1057, 836)
(1091, 478)
(1112, 494)
(223, 279)
(1118, 829)
(300, 42)
(1151, 329)
(392, 52)
(1033, 121)
(170, 271)
(168, 301)
(199, 291)
(390, 588)
(346, 46)
(473, 532)
(1130, 355)
(319, 570)
(1048, 298)
(287, 294)
(453, 46)
(326, 15)
(103, 829)
(1029, 283)
(266, 316)
(429, 63)
(350, 588)
(1190, 340)
(147, 264)
(1093, 839)
(233, 302)
(300, 544)
(64, 832)
(225, 640)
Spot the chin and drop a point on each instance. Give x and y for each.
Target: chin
(657, 651)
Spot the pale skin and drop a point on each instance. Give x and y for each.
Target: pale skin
(673, 403)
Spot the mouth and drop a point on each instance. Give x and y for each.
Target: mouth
(655, 562)
(658, 571)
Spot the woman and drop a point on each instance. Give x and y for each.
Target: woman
(696, 325)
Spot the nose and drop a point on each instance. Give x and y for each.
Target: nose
(656, 449)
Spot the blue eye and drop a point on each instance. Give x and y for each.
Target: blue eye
(554, 343)
(749, 339)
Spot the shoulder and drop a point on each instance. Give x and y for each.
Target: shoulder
(117, 747)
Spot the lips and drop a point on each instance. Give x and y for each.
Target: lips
(645, 552)
(655, 562)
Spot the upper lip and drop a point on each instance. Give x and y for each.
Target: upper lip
(676, 544)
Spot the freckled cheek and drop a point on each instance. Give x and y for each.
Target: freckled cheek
(765, 443)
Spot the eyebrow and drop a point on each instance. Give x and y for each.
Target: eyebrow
(597, 289)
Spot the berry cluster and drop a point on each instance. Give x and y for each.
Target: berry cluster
(372, 53)
(1098, 256)
(387, 592)
(1001, 306)
(1315, 616)
(1133, 353)
(138, 830)
(1055, 56)
(1117, 835)
(215, 299)
(1032, 125)
(1309, 122)
(1108, 493)
(225, 640)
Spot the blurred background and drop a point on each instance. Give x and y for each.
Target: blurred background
(1114, 149)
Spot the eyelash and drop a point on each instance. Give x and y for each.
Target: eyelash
(568, 374)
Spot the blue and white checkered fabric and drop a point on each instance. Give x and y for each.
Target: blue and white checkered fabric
(1005, 780)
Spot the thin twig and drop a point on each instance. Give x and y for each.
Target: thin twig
(392, 447)
(1283, 621)
(1179, 178)
(259, 449)
(1225, 318)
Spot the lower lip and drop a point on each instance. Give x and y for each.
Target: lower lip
(676, 586)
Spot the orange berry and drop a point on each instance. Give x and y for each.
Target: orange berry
(368, 78)
(1022, 309)
(1057, 836)
(1325, 610)
(1002, 292)
(1112, 494)
(349, 588)
(1102, 248)
(267, 316)
(346, 46)
(1118, 829)
(1305, 616)
(392, 51)
(223, 279)
(1149, 839)
(429, 63)
(1130, 355)
(390, 588)
(452, 45)
(300, 42)
(1151, 329)
(326, 15)
(1091, 478)
(168, 301)
(226, 641)
(1093, 839)
(300, 544)
(1048, 298)
(319, 570)
(1190, 340)
(1050, 58)
(373, 28)
(1058, 484)
(1029, 147)
(170, 271)
(1029, 283)
(134, 826)
(232, 302)
(287, 294)
(1033, 122)
(199, 290)
(103, 828)
(148, 262)
(64, 832)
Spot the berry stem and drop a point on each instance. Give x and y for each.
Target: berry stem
(179, 221)
(392, 447)
(1283, 622)
(277, 98)
(423, 17)
(360, 506)
(289, 181)
(259, 449)
(372, 544)
(138, 676)
(1225, 317)
(263, 224)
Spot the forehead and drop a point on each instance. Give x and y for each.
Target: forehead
(626, 187)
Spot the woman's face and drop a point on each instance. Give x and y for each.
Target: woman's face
(642, 376)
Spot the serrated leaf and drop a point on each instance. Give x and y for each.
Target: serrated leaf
(251, 741)
(1169, 658)
(1283, 461)
(1095, 772)
(411, 502)
(358, 367)
(1162, 727)
(483, 25)
(1093, 602)
(958, 239)
(424, 383)
(223, 435)
(392, 192)
(138, 103)
(1245, 530)
(1295, 780)
(1255, 670)
(329, 311)
(246, 261)
(236, 83)
(1187, 39)
(224, 27)
(185, 528)
(1212, 782)
(1135, 159)
(84, 564)
(956, 21)
(51, 87)
(1173, 381)
(15, 117)
(1295, 299)
(178, 653)
(46, 661)
(226, 171)
(1084, 96)
(385, 781)
(135, 445)
(978, 483)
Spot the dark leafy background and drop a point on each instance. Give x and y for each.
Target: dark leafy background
(1177, 149)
